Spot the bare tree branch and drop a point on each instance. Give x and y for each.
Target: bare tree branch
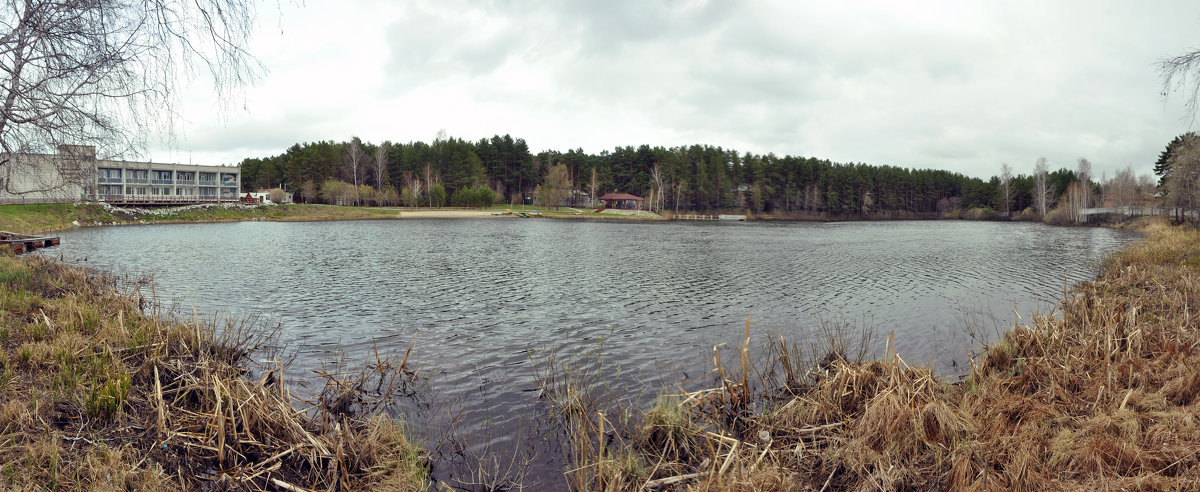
(106, 73)
(1182, 73)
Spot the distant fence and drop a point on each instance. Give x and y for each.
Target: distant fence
(707, 217)
(1134, 211)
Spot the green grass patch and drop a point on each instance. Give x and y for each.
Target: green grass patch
(11, 276)
(48, 217)
(106, 397)
(45, 217)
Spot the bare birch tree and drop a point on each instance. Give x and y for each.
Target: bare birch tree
(1122, 190)
(1075, 201)
(656, 175)
(412, 189)
(1041, 188)
(354, 163)
(1083, 174)
(1006, 187)
(106, 73)
(379, 165)
(431, 178)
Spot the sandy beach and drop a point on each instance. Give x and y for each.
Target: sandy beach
(443, 213)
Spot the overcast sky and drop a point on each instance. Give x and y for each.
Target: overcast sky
(956, 85)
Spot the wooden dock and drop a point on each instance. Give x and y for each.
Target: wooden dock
(24, 243)
(694, 217)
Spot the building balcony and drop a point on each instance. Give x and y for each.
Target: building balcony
(185, 181)
(137, 180)
(104, 180)
(161, 181)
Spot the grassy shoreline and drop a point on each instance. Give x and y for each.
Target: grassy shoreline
(1105, 397)
(100, 391)
(50, 217)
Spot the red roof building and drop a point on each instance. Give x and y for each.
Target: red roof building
(622, 200)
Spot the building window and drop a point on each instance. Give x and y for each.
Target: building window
(109, 175)
(161, 177)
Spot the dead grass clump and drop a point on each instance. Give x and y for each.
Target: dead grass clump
(102, 392)
(668, 429)
(113, 469)
(598, 442)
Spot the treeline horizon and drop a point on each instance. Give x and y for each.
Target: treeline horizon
(688, 178)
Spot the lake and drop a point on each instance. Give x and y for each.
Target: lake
(481, 300)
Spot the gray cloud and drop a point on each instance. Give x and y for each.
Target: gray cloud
(962, 86)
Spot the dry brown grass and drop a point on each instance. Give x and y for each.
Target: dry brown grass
(98, 392)
(1105, 397)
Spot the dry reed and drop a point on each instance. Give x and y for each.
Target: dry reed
(1105, 397)
(101, 392)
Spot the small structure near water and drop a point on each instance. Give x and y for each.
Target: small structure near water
(263, 196)
(24, 243)
(621, 201)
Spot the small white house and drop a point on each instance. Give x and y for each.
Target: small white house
(261, 196)
(264, 196)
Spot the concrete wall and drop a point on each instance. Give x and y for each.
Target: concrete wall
(48, 178)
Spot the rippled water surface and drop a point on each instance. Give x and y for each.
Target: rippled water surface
(476, 295)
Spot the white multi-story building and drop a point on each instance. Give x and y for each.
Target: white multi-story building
(75, 174)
